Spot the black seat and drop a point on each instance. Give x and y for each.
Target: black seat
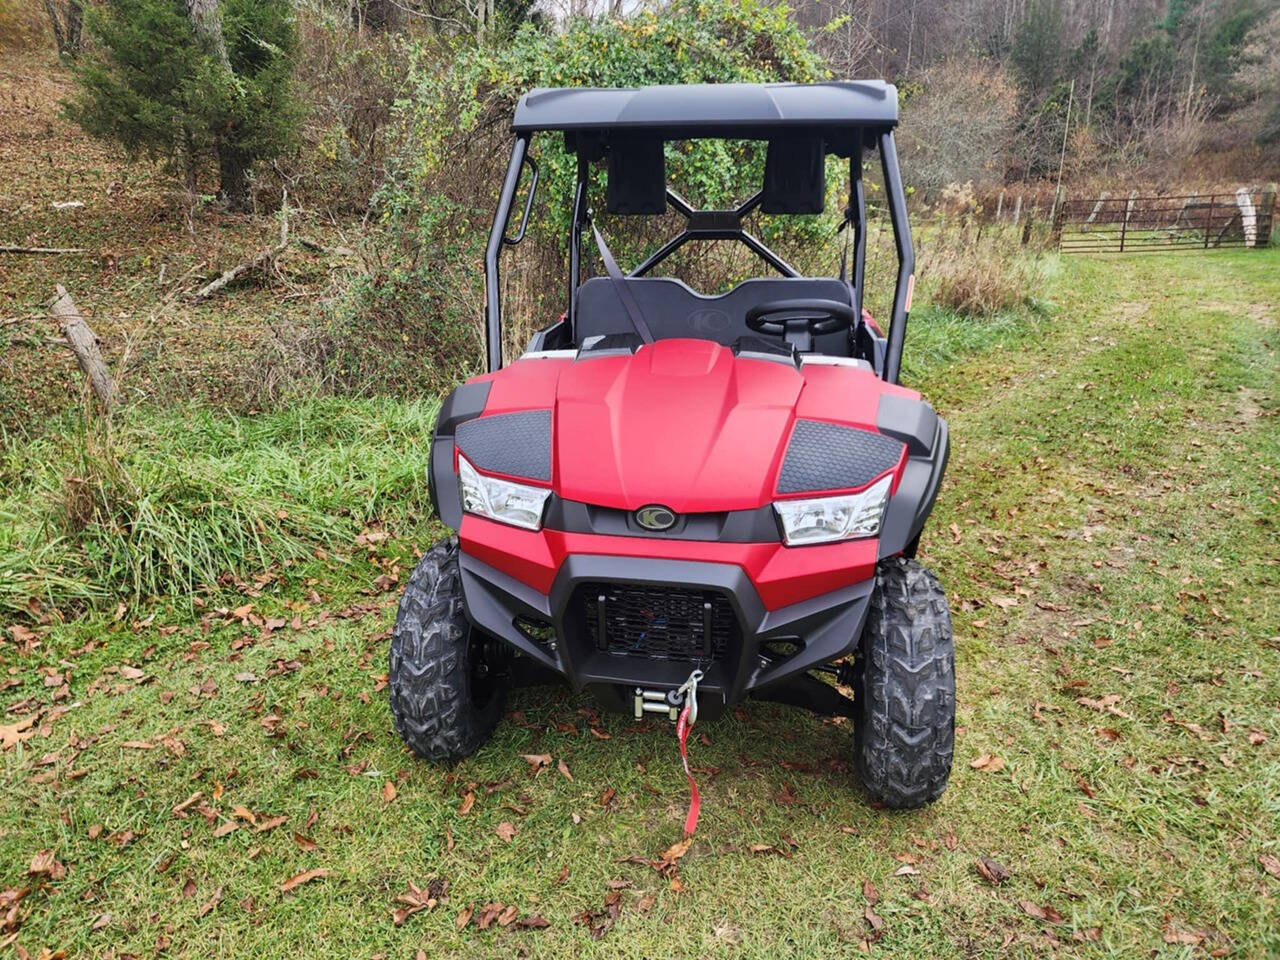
(672, 309)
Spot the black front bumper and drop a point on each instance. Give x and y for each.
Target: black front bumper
(811, 632)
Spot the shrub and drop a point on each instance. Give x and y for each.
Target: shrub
(976, 271)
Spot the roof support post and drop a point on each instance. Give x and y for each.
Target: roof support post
(575, 243)
(858, 223)
(905, 286)
(492, 284)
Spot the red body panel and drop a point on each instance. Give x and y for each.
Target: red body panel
(689, 425)
(782, 575)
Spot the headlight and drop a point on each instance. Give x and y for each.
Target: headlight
(852, 517)
(514, 503)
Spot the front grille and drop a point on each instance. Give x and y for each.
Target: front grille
(661, 623)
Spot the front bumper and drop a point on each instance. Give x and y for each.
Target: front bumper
(812, 631)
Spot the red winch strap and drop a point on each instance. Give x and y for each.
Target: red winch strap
(682, 734)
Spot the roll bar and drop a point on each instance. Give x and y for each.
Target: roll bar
(710, 224)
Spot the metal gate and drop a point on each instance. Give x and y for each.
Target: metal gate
(1135, 224)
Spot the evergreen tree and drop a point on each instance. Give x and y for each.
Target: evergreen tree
(155, 82)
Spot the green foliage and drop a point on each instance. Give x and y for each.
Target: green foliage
(168, 505)
(1036, 56)
(455, 136)
(148, 85)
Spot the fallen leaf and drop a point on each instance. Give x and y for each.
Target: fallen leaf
(507, 831)
(468, 802)
(607, 797)
(45, 863)
(388, 792)
(225, 828)
(536, 922)
(992, 871)
(100, 921)
(874, 920)
(988, 763)
(677, 850)
(1175, 932)
(870, 892)
(1041, 913)
(304, 842)
(417, 899)
(271, 824)
(14, 733)
(564, 770)
(464, 915)
(536, 761)
(299, 879)
(1271, 864)
(208, 906)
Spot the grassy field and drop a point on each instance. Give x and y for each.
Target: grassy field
(1108, 539)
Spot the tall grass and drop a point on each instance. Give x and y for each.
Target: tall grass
(166, 504)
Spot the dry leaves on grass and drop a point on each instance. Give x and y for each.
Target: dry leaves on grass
(14, 733)
(299, 879)
(537, 761)
(992, 871)
(1177, 932)
(499, 913)
(1271, 864)
(507, 831)
(1046, 912)
(988, 763)
(416, 899)
(1105, 704)
(45, 864)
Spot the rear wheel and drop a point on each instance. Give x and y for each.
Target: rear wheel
(446, 693)
(905, 688)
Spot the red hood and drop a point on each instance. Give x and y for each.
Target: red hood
(683, 423)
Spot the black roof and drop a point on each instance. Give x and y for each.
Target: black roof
(710, 109)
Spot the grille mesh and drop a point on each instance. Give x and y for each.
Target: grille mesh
(661, 623)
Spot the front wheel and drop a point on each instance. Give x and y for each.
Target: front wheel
(905, 688)
(446, 697)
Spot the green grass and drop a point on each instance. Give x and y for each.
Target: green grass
(157, 504)
(1114, 472)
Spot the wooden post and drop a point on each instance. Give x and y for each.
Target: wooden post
(1209, 223)
(1017, 210)
(999, 206)
(84, 344)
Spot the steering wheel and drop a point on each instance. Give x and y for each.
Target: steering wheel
(799, 321)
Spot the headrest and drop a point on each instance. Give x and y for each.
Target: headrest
(795, 176)
(637, 175)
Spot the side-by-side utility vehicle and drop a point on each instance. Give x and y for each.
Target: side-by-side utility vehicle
(672, 494)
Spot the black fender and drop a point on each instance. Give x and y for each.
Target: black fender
(465, 403)
(928, 445)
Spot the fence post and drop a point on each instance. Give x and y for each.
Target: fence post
(1059, 214)
(1266, 215)
(1208, 227)
(999, 206)
(1017, 210)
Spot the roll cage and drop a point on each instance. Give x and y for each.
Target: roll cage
(847, 118)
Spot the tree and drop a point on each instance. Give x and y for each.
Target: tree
(67, 25)
(189, 82)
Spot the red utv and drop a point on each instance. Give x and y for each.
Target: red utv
(673, 495)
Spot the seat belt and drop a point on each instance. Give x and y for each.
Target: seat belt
(620, 287)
